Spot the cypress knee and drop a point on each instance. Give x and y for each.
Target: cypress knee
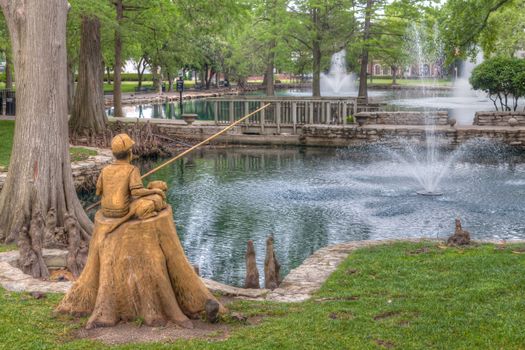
(271, 267)
(252, 274)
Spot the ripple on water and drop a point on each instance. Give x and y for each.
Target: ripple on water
(308, 199)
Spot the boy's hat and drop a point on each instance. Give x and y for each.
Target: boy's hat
(121, 143)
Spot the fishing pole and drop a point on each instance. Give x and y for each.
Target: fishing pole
(182, 154)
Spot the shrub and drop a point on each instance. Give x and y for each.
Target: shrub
(503, 79)
(350, 119)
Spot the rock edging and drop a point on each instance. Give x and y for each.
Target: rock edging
(299, 285)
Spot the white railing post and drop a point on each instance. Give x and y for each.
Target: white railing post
(294, 117)
(231, 112)
(310, 112)
(278, 116)
(343, 112)
(262, 117)
(328, 112)
(216, 112)
(246, 109)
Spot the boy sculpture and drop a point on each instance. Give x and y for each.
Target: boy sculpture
(136, 267)
(121, 188)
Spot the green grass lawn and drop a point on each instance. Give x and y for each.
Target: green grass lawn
(382, 81)
(401, 296)
(129, 86)
(6, 248)
(7, 128)
(412, 82)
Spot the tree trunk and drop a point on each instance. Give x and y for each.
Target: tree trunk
(70, 86)
(108, 75)
(263, 84)
(363, 83)
(141, 67)
(117, 80)
(242, 83)
(170, 82)
(269, 87)
(39, 178)
(156, 76)
(139, 78)
(8, 72)
(316, 53)
(394, 75)
(160, 81)
(88, 117)
(208, 75)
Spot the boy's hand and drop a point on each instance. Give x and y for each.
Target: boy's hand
(159, 192)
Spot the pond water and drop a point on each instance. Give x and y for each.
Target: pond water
(310, 198)
(461, 106)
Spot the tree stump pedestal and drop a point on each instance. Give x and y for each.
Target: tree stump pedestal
(137, 271)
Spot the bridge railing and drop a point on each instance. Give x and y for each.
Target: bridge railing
(289, 113)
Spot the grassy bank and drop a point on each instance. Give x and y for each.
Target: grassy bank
(389, 81)
(412, 82)
(130, 86)
(7, 129)
(401, 296)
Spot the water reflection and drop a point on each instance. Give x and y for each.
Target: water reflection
(309, 198)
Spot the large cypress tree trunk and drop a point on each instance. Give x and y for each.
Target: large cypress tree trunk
(70, 86)
(117, 80)
(88, 117)
(39, 178)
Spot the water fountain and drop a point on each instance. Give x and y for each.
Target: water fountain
(337, 82)
(462, 86)
(425, 164)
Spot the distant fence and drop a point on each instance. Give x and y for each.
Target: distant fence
(7, 102)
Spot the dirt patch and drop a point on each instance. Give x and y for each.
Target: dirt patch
(341, 315)
(386, 314)
(387, 344)
(404, 323)
(124, 333)
(255, 320)
(325, 300)
(133, 332)
(423, 250)
(351, 271)
(518, 250)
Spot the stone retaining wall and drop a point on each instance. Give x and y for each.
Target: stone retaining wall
(498, 118)
(407, 118)
(85, 173)
(321, 135)
(349, 135)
